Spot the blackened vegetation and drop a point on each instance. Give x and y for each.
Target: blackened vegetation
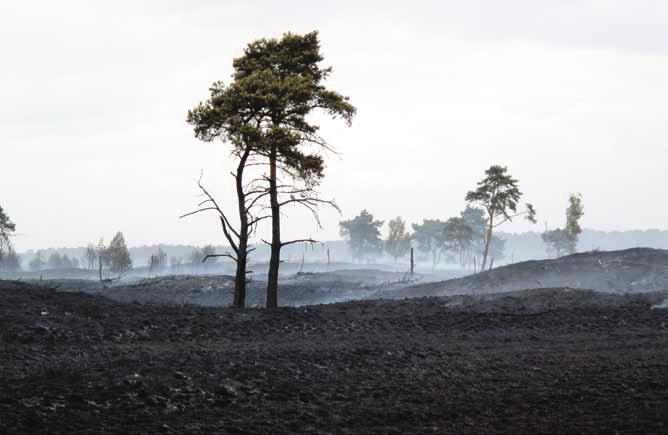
(552, 361)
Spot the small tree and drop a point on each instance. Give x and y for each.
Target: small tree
(574, 213)
(119, 255)
(458, 238)
(398, 242)
(363, 235)
(498, 194)
(429, 237)
(102, 255)
(560, 240)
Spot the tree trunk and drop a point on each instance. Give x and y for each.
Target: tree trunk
(412, 262)
(242, 253)
(488, 242)
(240, 278)
(274, 262)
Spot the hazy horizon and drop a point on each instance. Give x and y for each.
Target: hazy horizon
(567, 95)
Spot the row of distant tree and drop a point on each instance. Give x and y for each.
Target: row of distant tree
(467, 239)
(460, 239)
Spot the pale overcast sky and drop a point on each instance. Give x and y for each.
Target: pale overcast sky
(571, 95)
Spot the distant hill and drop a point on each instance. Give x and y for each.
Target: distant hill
(626, 271)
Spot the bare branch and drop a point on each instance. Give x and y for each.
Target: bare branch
(227, 255)
(292, 242)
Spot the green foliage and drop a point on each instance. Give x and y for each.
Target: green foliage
(430, 238)
(498, 194)
(398, 242)
(276, 84)
(363, 235)
(565, 240)
(118, 254)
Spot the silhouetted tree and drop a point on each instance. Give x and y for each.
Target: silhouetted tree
(398, 242)
(363, 235)
(119, 255)
(498, 195)
(429, 238)
(284, 80)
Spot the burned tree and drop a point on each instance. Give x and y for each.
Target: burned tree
(232, 115)
(286, 81)
(498, 195)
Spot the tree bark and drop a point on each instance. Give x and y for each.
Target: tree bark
(488, 242)
(274, 262)
(242, 253)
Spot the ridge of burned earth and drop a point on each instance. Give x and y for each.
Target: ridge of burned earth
(546, 361)
(627, 271)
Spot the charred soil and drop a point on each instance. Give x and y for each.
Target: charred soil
(549, 361)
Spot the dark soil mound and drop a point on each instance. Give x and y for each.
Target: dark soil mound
(550, 361)
(632, 270)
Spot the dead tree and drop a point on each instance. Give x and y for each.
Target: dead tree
(248, 197)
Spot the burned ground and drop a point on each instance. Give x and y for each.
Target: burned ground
(627, 271)
(559, 361)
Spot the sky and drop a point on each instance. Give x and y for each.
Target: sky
(570, 95)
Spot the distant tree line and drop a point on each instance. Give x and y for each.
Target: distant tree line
(467, 239)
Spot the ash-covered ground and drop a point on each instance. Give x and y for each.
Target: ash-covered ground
(547, 361)
(79, 357)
